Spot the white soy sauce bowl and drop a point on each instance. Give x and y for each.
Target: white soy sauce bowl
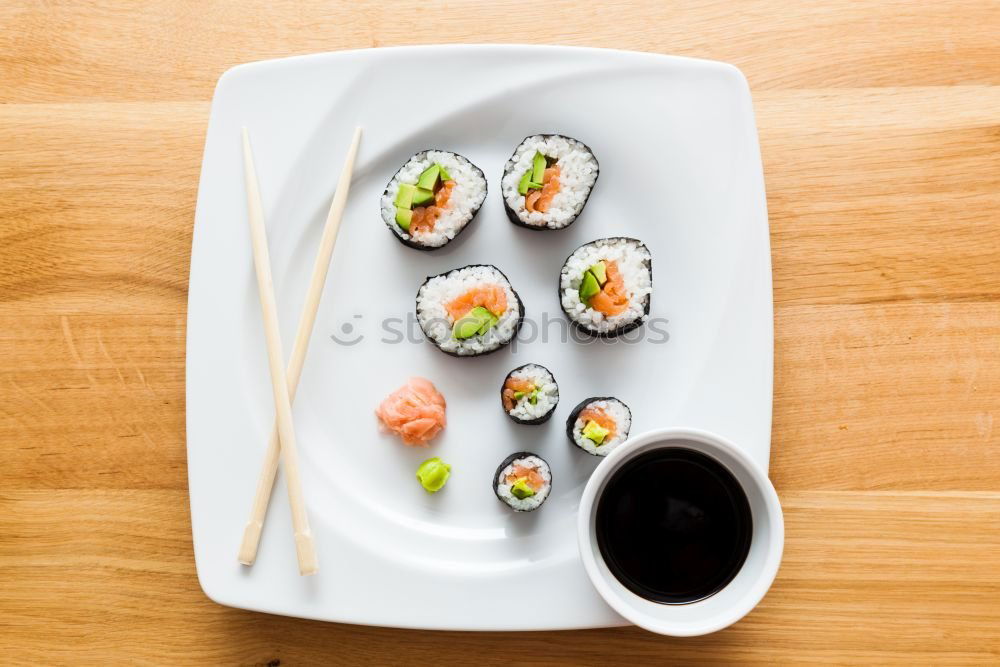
(740, 595)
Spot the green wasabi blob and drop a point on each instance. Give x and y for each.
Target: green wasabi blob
(520, 489)
(595, 432)
(433, 473)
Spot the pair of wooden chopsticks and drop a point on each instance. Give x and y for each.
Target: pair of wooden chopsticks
(285, 382)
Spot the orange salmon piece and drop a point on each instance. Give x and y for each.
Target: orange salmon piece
(491, 297)
(550, 186)
(530, 199)
(530, 475)
(443, 194)
(602, 418)
(421, 220)
(612, 299)
(514, 385)
(424, 217)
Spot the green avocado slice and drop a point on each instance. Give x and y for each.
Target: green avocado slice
(527, 183)
(403, 217)
(522, 186)
(445, 176)
(590, 287)
(595, 432)
(466, 327)
(404, 198)
(474, 323)
(538, 168)
(600, 271)
(481, 312)
(521, 490)
(428, 178)
(421, 196)
(489, 323)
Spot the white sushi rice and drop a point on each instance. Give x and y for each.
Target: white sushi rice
(437, 323)
(545, 400)
(633, 261)
(578, 171)
(466, 197)
(531, 502)
(623, 421)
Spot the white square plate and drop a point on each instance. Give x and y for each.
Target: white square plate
(680, 169)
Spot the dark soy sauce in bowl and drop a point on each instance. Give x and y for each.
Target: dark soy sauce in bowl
(674, 525)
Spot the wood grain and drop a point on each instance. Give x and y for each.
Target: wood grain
(880, 131)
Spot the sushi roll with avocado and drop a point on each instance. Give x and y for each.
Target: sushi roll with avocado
(469, 311)
(605, 286)
(432, 198)
(599, 424)
(529, 394)
(523, 481)
(547, 181)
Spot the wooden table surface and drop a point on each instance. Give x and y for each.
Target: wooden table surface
(880, 131)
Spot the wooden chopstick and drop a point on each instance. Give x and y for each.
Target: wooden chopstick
(265, 482)
(304, 547)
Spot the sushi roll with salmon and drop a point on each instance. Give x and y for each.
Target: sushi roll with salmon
(529, 394)
(432, 198)
(547, 181)
(469, 311)
(599, 424)
(605, 286)
(523, 481)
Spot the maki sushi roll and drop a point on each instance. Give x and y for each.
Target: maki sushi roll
(469, 311)
(529, 394)
(599, 424)
(605, 286)
(432, 198)
(523, 481)
(547, 181)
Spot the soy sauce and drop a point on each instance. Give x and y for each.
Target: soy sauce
(674, 526)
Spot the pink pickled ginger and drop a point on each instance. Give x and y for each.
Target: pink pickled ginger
(414, 412)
